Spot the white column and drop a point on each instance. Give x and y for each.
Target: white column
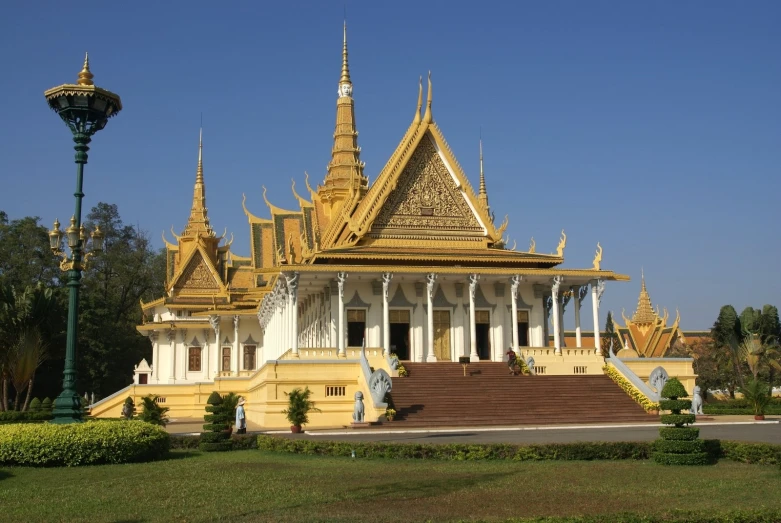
(431, 278)
(473, 279)
(172, 348)
(155, 355)
(556, 327)
(292, 285)
(515, 283)
(597, 288)
(578, 293)
(214, 321)
(235, 355)
(340, 279)
(386, 279)
(206, 354)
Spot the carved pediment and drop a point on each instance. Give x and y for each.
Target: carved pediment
(427, 198)
(197, 277)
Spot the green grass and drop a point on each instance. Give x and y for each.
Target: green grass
(256, 486)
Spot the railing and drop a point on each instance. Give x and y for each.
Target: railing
(633, 378)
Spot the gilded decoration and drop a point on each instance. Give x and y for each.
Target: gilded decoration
(197, 276)
(427, 197)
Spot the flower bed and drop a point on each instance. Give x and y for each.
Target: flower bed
(630, 389)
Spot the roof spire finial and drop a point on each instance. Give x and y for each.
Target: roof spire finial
(199, 170)
(85, 75)
(345, 79)
(420, 101)
(427, 117)
(482, 196)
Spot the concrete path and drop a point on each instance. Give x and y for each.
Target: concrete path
(737, 428)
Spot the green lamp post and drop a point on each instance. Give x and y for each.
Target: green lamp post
(85, 109)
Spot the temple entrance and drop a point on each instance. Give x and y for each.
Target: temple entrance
(523, 328)
(399, 333)
(442, 335)
(483, 334)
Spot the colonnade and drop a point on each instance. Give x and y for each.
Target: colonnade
(279, 313)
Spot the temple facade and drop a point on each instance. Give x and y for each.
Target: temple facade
(413, 264)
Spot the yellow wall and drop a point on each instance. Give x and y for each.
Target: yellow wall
(681, 368)
(265, 391)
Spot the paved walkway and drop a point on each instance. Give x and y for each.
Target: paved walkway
(738, 428)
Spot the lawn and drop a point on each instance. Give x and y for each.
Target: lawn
(253, 485)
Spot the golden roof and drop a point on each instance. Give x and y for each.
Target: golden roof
(645, 312)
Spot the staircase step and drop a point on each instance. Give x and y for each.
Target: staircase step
(438, 394)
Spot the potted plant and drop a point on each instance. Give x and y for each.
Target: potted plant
(403, 372)
(757, 394)
(390, 414)
(299, 407)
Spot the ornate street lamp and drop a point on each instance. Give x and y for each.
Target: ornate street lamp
(85, 109)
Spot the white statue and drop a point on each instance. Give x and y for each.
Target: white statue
(696, 401)
(358, 409)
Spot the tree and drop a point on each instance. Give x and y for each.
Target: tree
(727, 334)
(610, 335)
(129, 270)
(22, 347)
(25, 257)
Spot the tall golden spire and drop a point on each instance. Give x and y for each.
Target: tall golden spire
(198, 223)
(345, 170)
(85, 75)
(345, 79)
(483, 195)
(645, 311)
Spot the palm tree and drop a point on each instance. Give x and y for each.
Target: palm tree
(758, 354)
(21, 346)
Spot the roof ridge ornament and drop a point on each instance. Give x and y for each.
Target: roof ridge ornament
(85, 75)
(428, 117)
(562, 244)
(598, 257)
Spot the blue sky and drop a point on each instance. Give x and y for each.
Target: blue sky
(653, 128)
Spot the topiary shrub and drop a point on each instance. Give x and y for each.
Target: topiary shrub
(216, 439)
(35, 405)
(678, 444)
(46, 404)
(77, 444)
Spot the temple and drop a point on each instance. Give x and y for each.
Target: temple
(412, 267)
(646, 334)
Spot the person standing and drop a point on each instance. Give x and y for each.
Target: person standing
(241, 419)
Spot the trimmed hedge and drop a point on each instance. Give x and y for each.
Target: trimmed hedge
(460, 452)
(674, 458)
(752, 453)
(679, 433)
(82, 443)
(240, 442)
(675, 404)
(678, 446)
(725, 411)
(677, 419)
(13, 416)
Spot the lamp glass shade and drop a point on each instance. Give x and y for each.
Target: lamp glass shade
(73, 234)
(97, 240)
(55, 237)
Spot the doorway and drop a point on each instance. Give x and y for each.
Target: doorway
(483, 334)
(442, 335)
(399, 333)
(523, 328)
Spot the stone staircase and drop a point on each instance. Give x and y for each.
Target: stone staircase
(439, 395)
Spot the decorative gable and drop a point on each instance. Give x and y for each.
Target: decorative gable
(197, 276)
(427, 198)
